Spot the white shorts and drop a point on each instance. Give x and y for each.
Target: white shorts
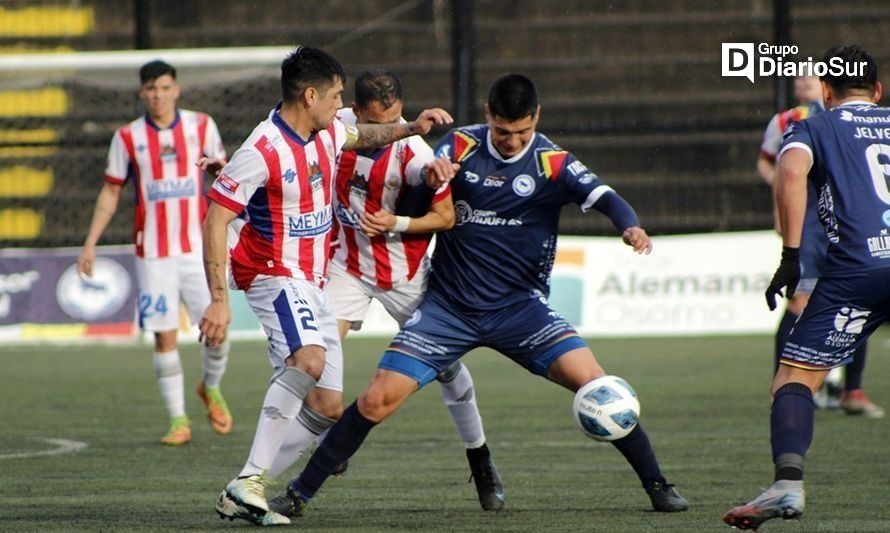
(350, 297)
(295, 313)
(164, 283)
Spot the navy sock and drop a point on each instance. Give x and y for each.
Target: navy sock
(635, 447)
(343, 440)
(784, 329)
(791, 429)
(853, 371)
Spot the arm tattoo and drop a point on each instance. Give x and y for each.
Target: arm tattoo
(377, 135)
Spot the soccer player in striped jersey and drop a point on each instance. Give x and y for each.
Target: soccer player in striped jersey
(383, 256)
(490, 279)
(281, 179)
(159, 154)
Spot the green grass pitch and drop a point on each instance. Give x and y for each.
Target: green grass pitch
(704, 403)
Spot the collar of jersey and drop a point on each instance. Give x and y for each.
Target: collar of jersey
(494, 152)
(172, 125)
(857, 102)
(287, 130)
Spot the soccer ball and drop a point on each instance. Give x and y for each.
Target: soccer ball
(606, 408)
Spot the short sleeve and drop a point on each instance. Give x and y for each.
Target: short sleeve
(118, 164)
(213, 145)
(797, 136)
(772, 139)
(340, 134)
(239, 180)
(416, 153)
(583, 187)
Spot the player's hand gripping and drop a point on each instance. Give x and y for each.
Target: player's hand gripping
(787, 275)
(429, 118)
(373, 224)
(439, 171)
(637, 238)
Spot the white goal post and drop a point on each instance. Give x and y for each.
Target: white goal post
(121, 59)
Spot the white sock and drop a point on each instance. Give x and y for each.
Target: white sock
(299, 438)
(460, 398)
(168, 370)
(215, 360)
(282, 403)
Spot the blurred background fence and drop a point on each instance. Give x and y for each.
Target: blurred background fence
(633, 88)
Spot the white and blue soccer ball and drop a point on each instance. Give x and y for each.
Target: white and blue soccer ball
(606, 408)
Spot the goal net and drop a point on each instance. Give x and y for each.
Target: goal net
(59, 111)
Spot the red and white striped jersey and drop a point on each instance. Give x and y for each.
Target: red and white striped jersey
(170, 202)
(366, 182)
(283, 186)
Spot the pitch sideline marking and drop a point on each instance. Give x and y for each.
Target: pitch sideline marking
(62, 446)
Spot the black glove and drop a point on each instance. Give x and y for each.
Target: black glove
(787, 275)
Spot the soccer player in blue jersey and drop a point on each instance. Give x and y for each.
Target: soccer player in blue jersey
(490, 280)
(850, 397)
(844, 152)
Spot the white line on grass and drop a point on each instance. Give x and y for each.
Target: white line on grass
(62, 446)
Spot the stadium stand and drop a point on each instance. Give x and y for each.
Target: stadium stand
(633, 88)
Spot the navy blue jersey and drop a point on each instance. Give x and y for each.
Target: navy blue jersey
(503, 243)
(850, 145)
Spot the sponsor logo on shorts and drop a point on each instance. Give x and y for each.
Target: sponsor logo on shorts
(415, 318)
(848, 324)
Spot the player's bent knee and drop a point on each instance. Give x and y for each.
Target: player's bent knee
(309, 359)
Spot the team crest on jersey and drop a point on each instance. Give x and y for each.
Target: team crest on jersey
(168, 152)
(464, 145)
(550, 163)
(316, 177)
(358, 185)
(523, 185)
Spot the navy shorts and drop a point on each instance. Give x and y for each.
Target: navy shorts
(438, 334)
(843, 311)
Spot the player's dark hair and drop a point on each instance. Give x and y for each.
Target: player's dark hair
(377, 86)
(308, 67)
(154, 70)
(852, 56)
(513, 97)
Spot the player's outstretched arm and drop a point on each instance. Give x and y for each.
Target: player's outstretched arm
(440, 217)
(106, 206)
(377, 135)
(214, 324)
